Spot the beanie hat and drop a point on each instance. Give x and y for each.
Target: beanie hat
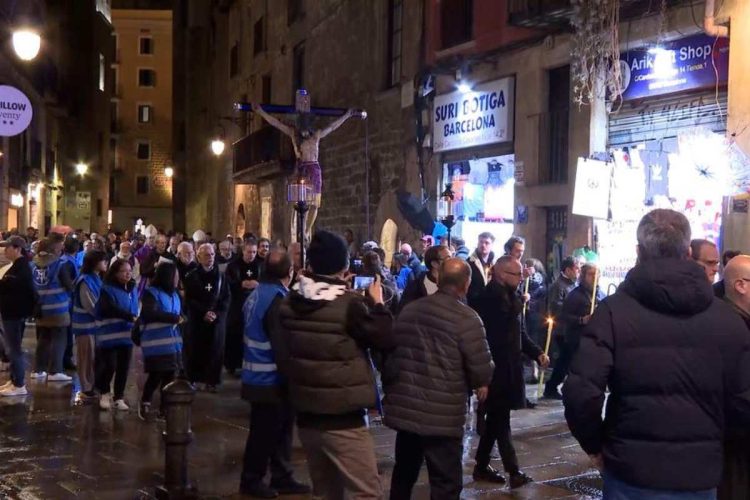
(328, 253)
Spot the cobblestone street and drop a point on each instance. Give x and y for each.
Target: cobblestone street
(50, 449)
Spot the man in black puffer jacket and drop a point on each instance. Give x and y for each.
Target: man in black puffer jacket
(674, 360)
(321, 334)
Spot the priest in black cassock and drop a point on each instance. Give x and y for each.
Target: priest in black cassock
(242, 276)
(207, 296)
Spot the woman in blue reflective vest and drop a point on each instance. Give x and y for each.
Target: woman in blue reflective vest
(88, 287)
(118, 311)
(159, 335)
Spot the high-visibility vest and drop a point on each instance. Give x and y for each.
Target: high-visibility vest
(259, 363)
(84, 322)
(54, 300)
(159, 339)
(115, 332)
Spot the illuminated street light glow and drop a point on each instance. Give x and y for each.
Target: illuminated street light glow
(464, 87)
(217, 146)
(169, 172)
(664, 63)
(82, 168)
(26, 43)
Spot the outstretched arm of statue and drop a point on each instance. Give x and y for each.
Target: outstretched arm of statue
(274, 122)
(336, 124)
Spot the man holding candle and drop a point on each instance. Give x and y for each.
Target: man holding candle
(576, 312)
(500, 307)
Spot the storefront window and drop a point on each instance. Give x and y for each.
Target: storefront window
(690, 173)
(484, 197)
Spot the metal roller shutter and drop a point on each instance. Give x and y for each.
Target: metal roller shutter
(665, 117)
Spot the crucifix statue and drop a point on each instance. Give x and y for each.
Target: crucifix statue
(306, 140)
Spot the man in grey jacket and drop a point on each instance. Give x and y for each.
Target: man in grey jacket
(441, 353)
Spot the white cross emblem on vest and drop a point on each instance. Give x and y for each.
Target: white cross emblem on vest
(209, 287)
(249, 273)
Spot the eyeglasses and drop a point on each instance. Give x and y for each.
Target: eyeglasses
(518, 275)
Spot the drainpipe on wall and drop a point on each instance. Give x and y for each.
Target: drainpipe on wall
(709, 23)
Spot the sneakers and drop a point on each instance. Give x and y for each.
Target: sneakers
(105, 402)
(38, 375)
(12, 390)
(144, 411)
(6, 384)
(488, 474)
(59, 377)
(121, 405)
(290, 487)
(519, 479)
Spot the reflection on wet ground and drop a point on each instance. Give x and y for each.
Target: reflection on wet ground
(51, 449)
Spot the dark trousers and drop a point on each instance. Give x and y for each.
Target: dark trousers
(562, 365)
(156, 380)
(497, 429)
(112, 361)
(50, 348)
(443, 456)
(269, 442)
(68, 356)
(13, 336)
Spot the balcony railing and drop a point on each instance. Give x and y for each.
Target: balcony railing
(264, 154)
(548, 14)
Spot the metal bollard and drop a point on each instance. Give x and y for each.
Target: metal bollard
(178, 399)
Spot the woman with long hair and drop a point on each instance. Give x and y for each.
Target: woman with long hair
(160, 336)
(118, 311)
(88, 287)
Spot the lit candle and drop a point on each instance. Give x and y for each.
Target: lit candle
(593, 292)
(550, 325)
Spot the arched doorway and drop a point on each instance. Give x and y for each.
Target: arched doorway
(389, 240)
(239, 225)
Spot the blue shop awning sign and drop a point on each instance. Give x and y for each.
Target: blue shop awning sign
(690, 63)
(15, 111)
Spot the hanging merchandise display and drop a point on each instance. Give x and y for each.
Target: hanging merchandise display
(483, 196)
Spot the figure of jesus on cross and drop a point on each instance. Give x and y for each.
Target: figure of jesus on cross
(306, 142)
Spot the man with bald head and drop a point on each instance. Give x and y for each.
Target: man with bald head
(500, 306)
(440, 351)
(735, 481)
(207, 296)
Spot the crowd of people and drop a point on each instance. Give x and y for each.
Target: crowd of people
(421, 341)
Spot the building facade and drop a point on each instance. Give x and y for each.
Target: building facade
(68, 86)
(346, 55)
(518, 174)
(141, 110)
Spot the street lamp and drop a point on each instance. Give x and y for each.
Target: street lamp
(81, 168)
(169, 172)
(217, 146)
(300, 192)
(26, 43)
(449, 220)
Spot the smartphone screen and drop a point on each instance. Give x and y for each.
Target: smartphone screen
(362, 282)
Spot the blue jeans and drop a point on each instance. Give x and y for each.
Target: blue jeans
(614, 489)
(13, 335)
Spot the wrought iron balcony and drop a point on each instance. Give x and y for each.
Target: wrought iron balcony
(544, 14)
(264, 154)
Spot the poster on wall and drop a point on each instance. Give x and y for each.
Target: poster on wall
(15, 111)
(481, 116)
(591, 196)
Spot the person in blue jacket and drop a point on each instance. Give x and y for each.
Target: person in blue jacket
(118, 311)
(271, 417)
(88, 287)
(159, 335)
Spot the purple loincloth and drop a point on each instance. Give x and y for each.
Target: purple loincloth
(310, 170)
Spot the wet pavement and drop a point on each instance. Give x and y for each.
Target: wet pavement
(51, 449)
